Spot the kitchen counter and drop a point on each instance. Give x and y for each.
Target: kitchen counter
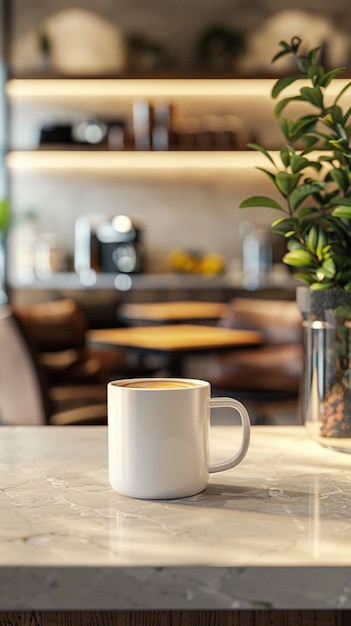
(101, 295)
(273, 533)
(150, 281)
(148, 287)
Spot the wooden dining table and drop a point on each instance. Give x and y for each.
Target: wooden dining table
(178, 311)
(176, 341)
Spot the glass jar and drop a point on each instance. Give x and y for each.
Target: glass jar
(326, 387)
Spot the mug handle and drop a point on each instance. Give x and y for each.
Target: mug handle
(245, 422)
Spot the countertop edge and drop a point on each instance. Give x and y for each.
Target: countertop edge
(177, 588)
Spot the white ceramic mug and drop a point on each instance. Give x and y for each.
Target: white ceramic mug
(158, 435)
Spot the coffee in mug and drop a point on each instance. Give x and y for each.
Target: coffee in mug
(160, 384)
(158, 436)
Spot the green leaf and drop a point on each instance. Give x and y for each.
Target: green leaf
(312, 58)
(303, 191)
(340, 201)
(267, 173)
(344, 277)
(342, 91)
(305, 277)
(294, 229)
(334, 114)
(329, 76)
(313, 95)
(338, 144)
(316, 165)
(328, 121)
(299, 258)
(4, 214)
(345, 120)
(260, 201)
(328, 268)
(285, 156)
(327, 158)
(293, 244)
(315, 71)
(322, 248)
(309, 142)
(286, 182)
(303, 125)
(258, 148)
(320, 286)
(342, 211)
(312, 239)
(340, 177)
(279, 222)
(298, 163)
(283, 83)
(279, 231)
(288, 48)
(282, 104)
(303, 212)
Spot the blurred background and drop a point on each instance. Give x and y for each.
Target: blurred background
(182, 205)
(124, 137)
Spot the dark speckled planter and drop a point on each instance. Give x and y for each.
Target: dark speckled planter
(326, 389)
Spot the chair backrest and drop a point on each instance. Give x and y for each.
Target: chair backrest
(54, 325)
(280, 321)
(24, 398)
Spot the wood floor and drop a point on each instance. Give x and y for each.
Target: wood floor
(175, 618)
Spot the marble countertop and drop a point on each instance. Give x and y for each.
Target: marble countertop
(274, 532)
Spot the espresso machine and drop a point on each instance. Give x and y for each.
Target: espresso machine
(108, 245)
(120, 246)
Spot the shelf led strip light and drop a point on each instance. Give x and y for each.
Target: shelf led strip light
(148, 87)
(137, 88)
(134, 161)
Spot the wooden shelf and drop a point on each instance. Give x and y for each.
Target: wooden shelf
(164, 74)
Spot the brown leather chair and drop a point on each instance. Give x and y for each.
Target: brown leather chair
(25, 397)
(266, 378)
(58, 331)
(76, 373)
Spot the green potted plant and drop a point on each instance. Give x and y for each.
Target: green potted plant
(4, 223)
(312, 175)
